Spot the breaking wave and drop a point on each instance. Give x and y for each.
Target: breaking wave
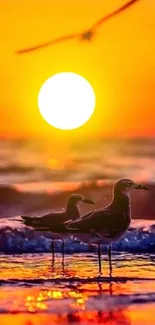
(16, 238)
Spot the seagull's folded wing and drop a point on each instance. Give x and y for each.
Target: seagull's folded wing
(51, 219)
(92, 221)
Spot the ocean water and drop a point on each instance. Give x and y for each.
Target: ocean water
(33, 165)
(34, 291)
(37, 176)
(18, 239)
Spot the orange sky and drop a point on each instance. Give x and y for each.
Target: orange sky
(119, 63)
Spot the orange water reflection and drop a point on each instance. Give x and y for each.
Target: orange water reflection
(73, 301)
(39, 266)
(129, 316)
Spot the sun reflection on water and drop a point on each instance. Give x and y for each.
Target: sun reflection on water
(65, 301)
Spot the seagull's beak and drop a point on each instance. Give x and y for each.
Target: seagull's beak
(88, 201)
(140, 187)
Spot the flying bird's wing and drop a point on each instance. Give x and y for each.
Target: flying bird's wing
(52, 42)
(113, 14)
(83, 36)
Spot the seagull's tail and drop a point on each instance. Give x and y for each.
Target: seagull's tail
(28, 221)
(14, 219)
(33, 222)
(26, 218)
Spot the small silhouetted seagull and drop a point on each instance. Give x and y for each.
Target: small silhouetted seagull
(54, 221)
(109, 223)
(84, 36)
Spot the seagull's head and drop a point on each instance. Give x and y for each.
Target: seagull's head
(77, 198)
(124, 185)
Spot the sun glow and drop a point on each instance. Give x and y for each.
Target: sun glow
(66, 100)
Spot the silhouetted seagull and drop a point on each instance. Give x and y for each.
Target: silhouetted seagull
(107, 224)
(84, 36)
(54, 221)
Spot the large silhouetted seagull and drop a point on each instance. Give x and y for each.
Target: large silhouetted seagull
(83, 36)
(55, 220)
(109, 223)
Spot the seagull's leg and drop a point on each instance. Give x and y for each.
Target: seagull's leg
(63, 253)
(52, 250)
(99, 258)
(111, 288)
(110, 263)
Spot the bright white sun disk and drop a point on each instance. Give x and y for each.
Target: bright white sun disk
(66, 100)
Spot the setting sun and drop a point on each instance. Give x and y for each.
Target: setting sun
(66, 100)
